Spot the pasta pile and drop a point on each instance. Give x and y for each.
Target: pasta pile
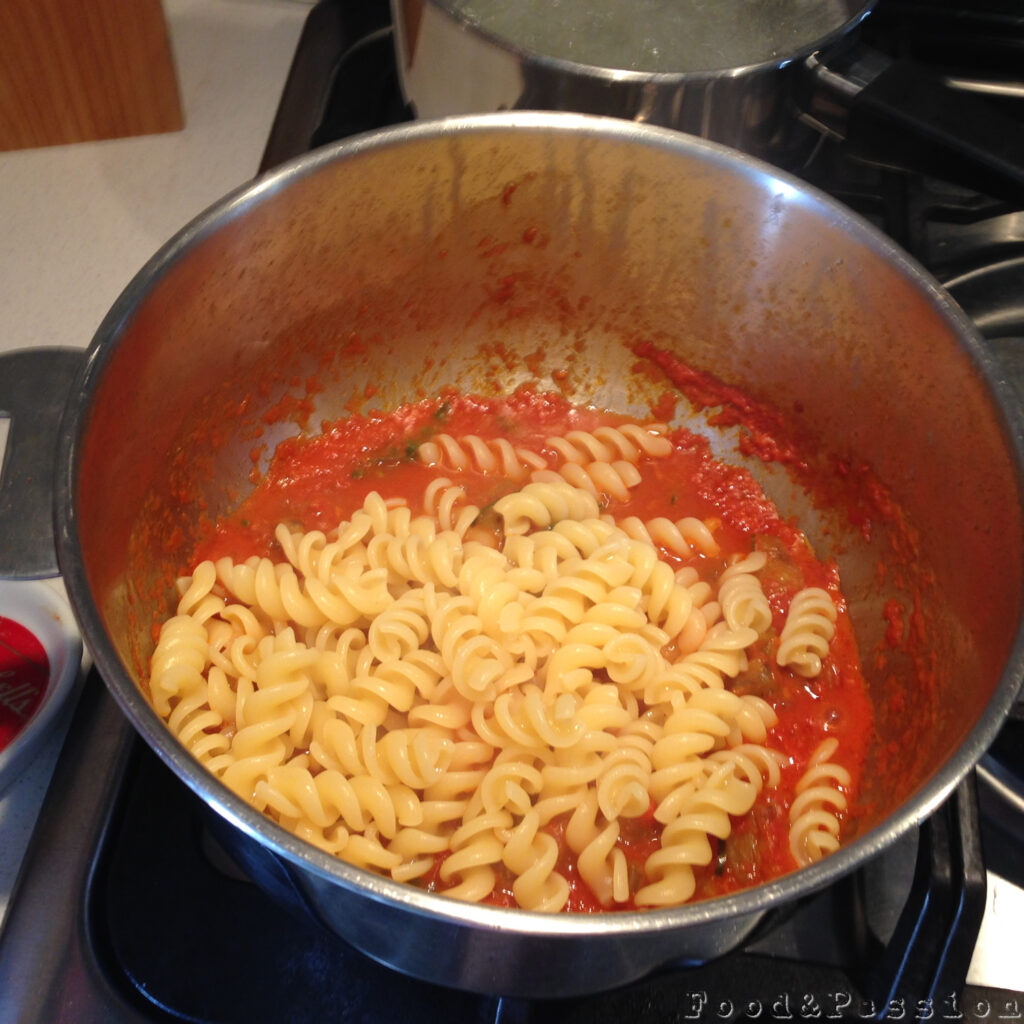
(421, 696)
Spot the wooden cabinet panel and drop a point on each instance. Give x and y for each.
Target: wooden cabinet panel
(75, 70)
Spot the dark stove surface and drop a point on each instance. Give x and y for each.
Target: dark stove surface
(147, 920)
(343, 80)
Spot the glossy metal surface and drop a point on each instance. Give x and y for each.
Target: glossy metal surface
(33, 389)
(646, 233)
(449, 66)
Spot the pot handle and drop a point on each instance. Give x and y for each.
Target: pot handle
(34, 388)
(898, 112)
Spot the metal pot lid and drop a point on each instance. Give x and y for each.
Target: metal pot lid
(662, 36)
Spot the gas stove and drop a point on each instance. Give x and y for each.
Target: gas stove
(128, 909)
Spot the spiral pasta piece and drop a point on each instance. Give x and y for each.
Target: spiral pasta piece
(721, 655)
(743, 603)
(726, 788)
(544, 504)
(629, 443)
(686, 536)
(496, 455)
(179, 662)
(611, 479)
(809, 628)
(474, 660)
(417, 558)
(600, 861)
(468, 872)
(532, 855)
(814, 822)
(446, 502)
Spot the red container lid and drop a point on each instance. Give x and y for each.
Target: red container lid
(40, 662)
(24, 677)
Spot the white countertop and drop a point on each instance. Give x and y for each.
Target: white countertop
(77, 222)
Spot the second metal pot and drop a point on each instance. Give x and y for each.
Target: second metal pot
(812, 76)
(449, 64)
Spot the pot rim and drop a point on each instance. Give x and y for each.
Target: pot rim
(330, 869)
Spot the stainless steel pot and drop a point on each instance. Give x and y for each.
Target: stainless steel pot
(450, 64)
(393, 263)
(770, 78)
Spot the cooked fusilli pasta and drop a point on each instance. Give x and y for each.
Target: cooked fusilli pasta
(809, 628)
(814, 823)
(425, 695)
(496, 456)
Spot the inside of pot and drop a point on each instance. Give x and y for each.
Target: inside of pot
(497, 256)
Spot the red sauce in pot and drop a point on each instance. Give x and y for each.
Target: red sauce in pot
(316, 482)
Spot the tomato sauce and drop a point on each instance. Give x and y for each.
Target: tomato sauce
(316, 482)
